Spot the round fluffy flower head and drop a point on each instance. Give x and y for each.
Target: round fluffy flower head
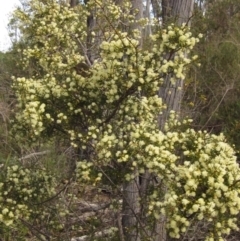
(209, 192)
(20, 188)
(83, 91)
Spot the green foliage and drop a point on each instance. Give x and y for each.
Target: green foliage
(213, 88)
(21, 190)
(32, 201)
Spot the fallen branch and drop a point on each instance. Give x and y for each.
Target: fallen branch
(35, 154)
(96, 235)
(87, 207)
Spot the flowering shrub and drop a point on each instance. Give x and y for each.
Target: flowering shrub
(21, 190)
(205, 187)
(108, 110)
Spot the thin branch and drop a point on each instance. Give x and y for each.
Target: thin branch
(85, 52)
(97, 235)
(35, 154)
(120, 228)
(31, 227)
(218, 105)
(129, 205)
(54, 196)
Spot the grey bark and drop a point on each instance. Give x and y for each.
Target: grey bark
(180, 12)
(130, 212)
(131, 205)
(156, 8)
(137, 5)
(72, 3)
(147, 14)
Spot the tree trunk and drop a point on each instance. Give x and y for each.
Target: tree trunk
(131, 196)
(156, 9)
(131, 208)
(72, 3)
(147, 14)
(178, 11)
(137, 5)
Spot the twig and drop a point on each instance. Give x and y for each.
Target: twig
(31, 227)
(33, 155)
(218, 105)
(120, 228)
(97, 234)
(85, 53)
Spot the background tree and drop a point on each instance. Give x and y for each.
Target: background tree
(214, 101)
(179, 12)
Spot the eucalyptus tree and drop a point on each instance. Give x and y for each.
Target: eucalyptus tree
(214, 102)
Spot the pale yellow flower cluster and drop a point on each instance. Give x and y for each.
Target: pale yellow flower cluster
(57, 25)
(176, 43)
(20, 189)
(84, 170)
(205, 187)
